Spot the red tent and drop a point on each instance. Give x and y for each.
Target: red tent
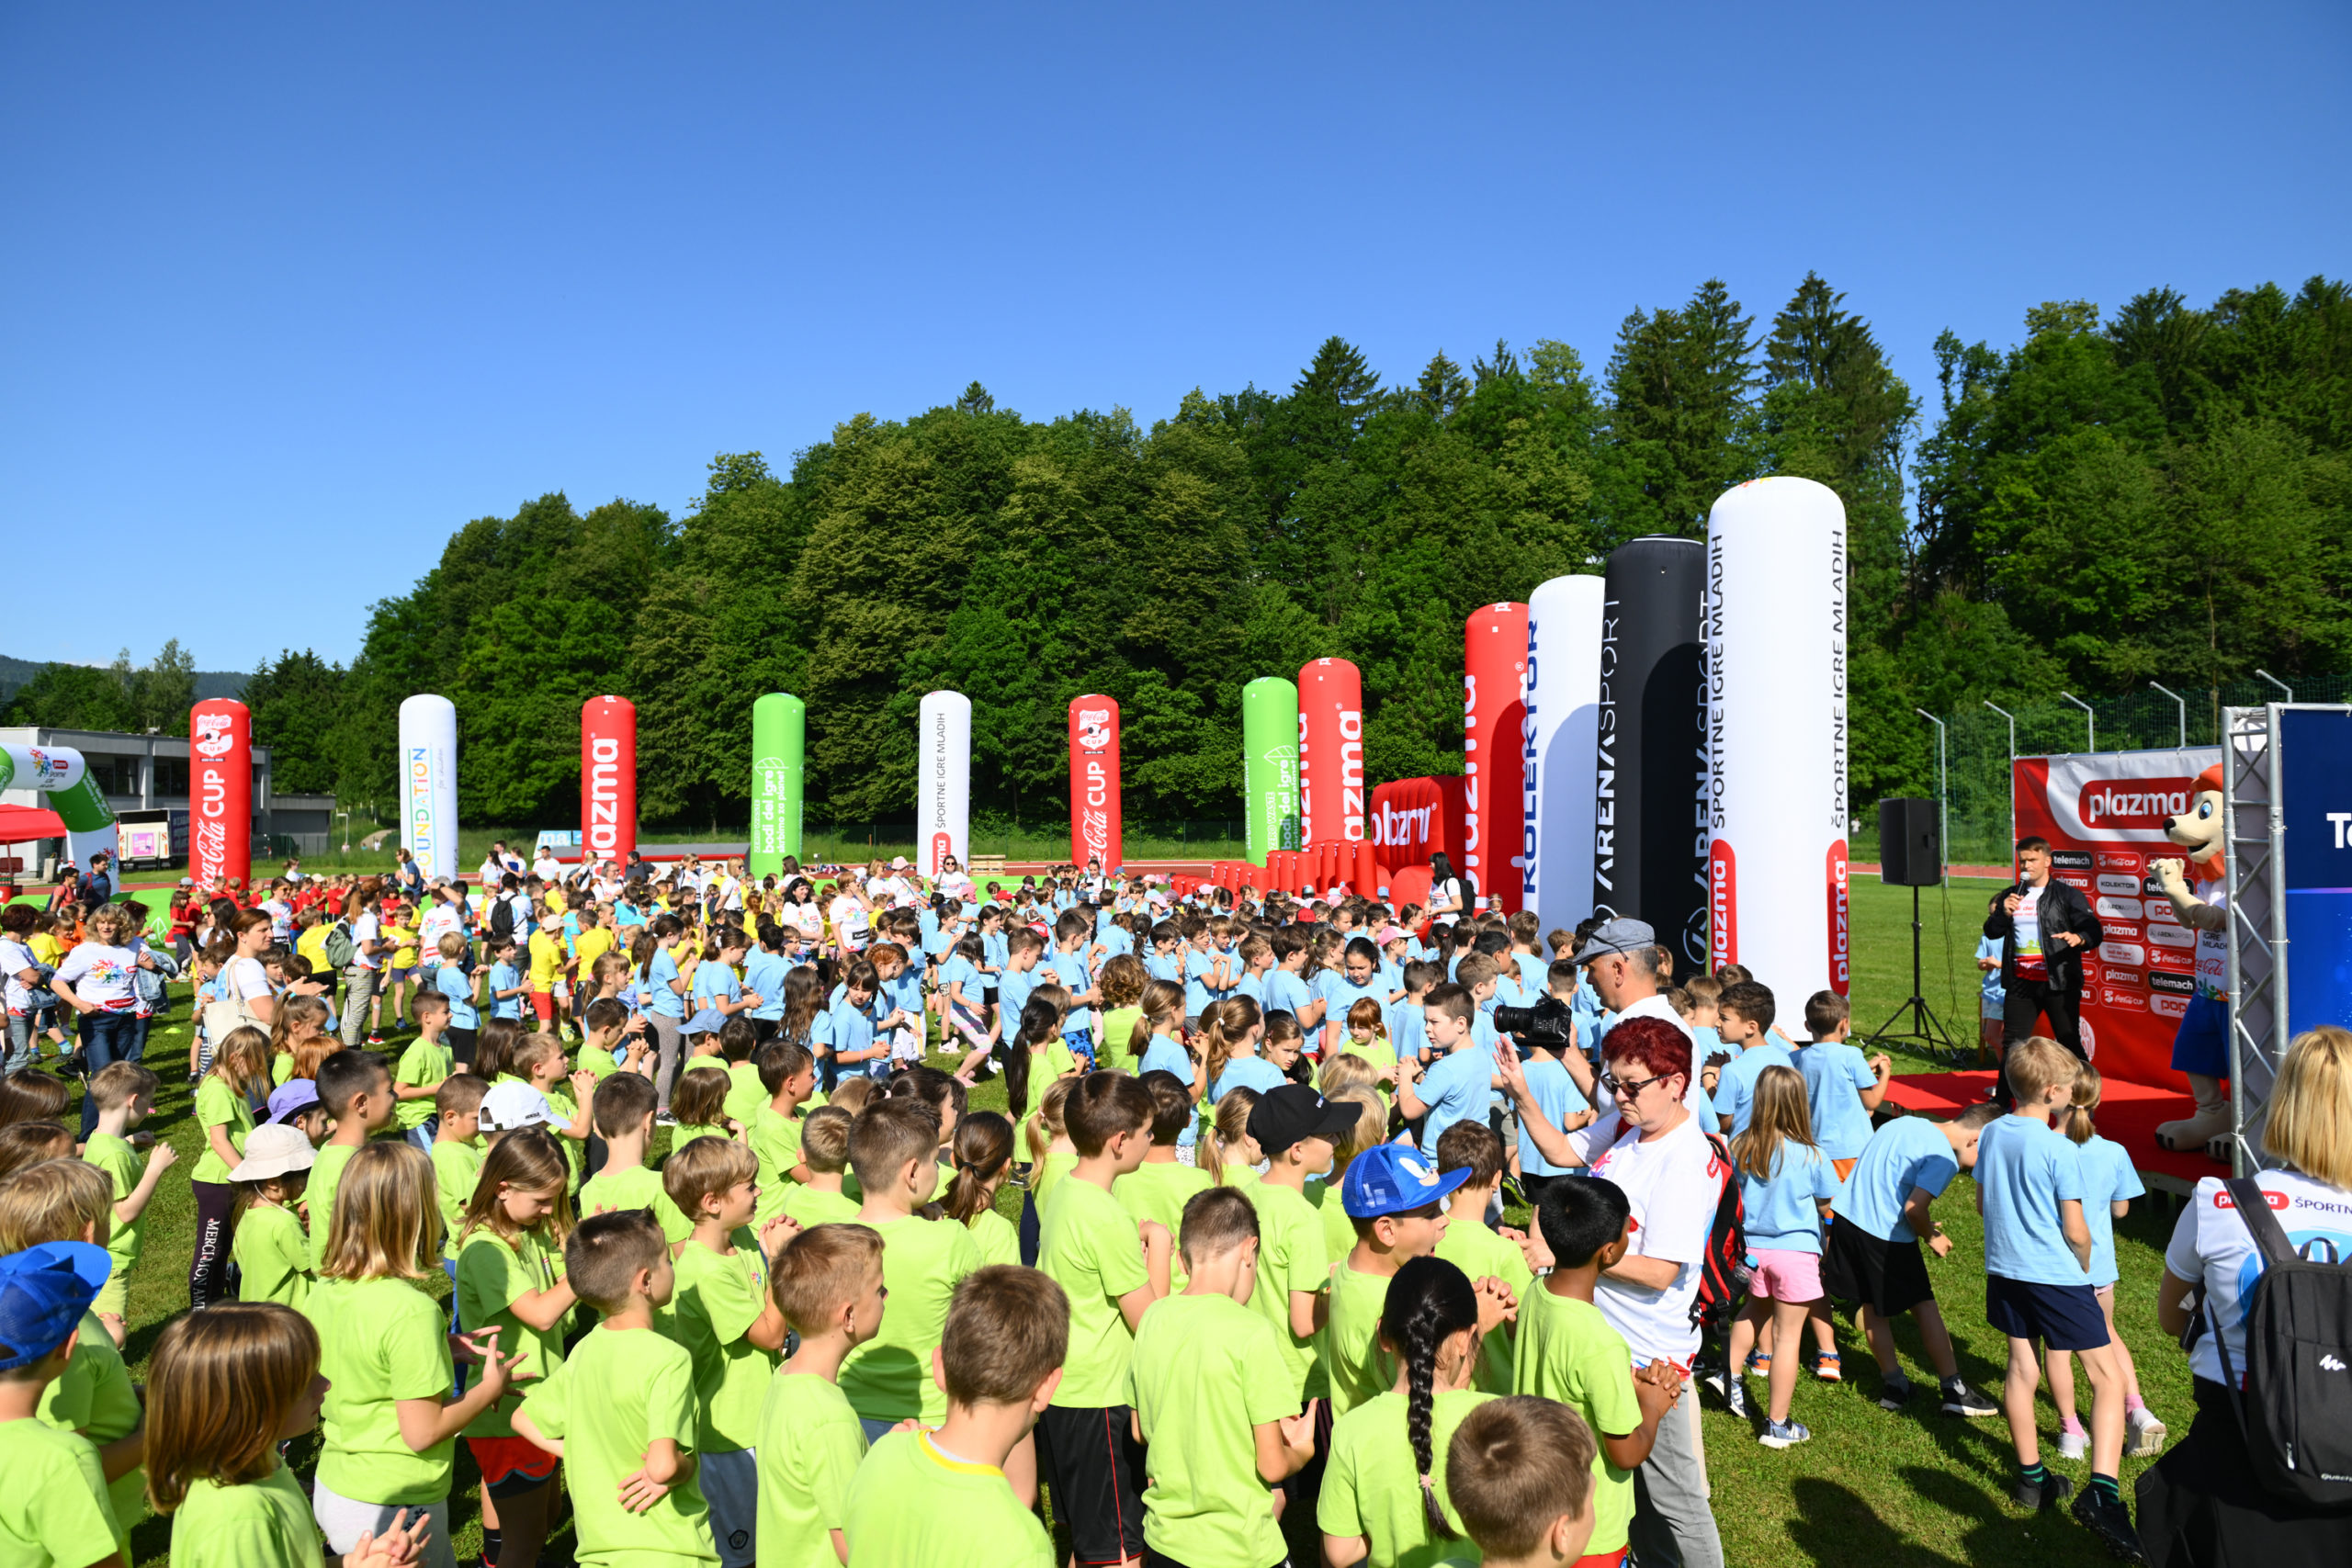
(23, 823)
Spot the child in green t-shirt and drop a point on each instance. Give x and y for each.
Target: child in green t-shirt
(698, 1102)
(1474, 1249)
(1086, 1242)
(619, 1412)
(1396, 1201)
(823, 1198)
(788, 1074)
(272, 1253)
(939, 1498)
(1292, 1128)
(1212, 1398)
(1159, 1188)
(1568, 1351)
(829, 1285)
(1519, 1474)
(356, 1090)
(893, 1147)
(55, 1507)
(417, 1077)
(622, 1110)
(125, 1095)
(724, 1318)
(540, 1059)
(739, 1050)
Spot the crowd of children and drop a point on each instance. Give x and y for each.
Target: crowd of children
(1258, 1292)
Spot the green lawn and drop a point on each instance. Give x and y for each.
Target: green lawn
(1871, 1490)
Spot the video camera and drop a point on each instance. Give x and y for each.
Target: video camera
(1548, 1023)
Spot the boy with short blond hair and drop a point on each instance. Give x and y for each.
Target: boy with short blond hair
(827, 1284)
(824, 1150)
(894, 1149)
(125, 1095)
(428, 1060)
(1519, 1474)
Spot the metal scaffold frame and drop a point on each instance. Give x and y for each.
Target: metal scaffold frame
(2253, 855)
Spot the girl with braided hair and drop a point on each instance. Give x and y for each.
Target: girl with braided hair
(1383, 1487)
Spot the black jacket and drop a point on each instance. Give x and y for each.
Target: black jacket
(2062, 909)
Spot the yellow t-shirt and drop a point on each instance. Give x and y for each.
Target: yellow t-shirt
(404, 940)
(594, 944)
(312, 945)
(47, 949)
(554, 901)
(547, 960)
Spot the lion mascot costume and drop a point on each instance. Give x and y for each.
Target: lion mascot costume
(2200, 1049)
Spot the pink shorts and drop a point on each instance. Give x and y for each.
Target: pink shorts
(1784, 1276)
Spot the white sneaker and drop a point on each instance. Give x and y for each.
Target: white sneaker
(2142, 1433)
(2073, 1442)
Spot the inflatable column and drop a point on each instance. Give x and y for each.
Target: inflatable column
(1563, 718)
(221, 793)
(428, 739)
(1331, 752)
(1094, 826)
(608, 779)
(1649, 841)
(1777, 890)
(944, 786)
(62, 775)
(779, 769)
(1494, 713)
(1269, 765)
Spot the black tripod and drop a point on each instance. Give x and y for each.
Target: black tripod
(1930, 1031)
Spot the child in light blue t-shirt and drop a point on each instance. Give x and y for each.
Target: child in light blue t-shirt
(1843, 1085)
(1744, 1021)
(2109, 1186)
(1786, 1184)
(1989, 997)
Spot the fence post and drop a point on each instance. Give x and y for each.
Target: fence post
(2009, 779)
(2183, 706)
(2091, 721)
(1943, 802)
(2278, 683)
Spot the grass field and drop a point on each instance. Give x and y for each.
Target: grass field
(1871, 1490)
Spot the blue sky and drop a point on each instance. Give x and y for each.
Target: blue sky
(292, 292)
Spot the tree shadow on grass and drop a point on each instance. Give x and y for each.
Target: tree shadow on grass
(1835, 1527)
(1993, 1531)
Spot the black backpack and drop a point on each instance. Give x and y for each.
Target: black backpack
(1724, 1272)
(501, 919)
(2296, 1406)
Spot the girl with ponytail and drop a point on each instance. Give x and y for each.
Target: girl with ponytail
(1383, 1486)
(1231, 1032)
(2109, 1186)
(1226, 1149)
(983, 1152)
(1039, 1035)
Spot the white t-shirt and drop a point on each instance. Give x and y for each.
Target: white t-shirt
(850, 925)
(245, 977)
(2213, 947)
(364, 928)
(15, 959)
(547, 868)
(2211, 1243)
(1444, 892)
(438, 922)
(1672, 1184)
(806, 919)
(2025, 926)
(1694, 1093)
(103, 974)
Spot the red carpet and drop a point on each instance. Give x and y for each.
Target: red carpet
(2128, 1114)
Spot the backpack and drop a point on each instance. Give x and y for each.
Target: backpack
(1724, 1272)
(2296, 1406)
(341, 951)
(501, 919)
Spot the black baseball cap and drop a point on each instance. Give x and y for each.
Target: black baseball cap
(1292, 1112)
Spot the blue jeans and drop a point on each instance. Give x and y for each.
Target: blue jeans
(24, 1042)
(107, 1038)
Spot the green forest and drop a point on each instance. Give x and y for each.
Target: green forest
(2156, 492)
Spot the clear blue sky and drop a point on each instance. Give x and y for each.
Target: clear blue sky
(292, 292)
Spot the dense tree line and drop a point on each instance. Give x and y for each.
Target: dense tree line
(2163, 493)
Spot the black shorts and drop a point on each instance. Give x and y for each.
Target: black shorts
(2064, 1317)
(1092, 1460)
(764, 1030)
(1888, 1277)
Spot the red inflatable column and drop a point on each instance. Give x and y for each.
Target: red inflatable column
(1494, 713)
(609, 778)
(221, 793)
(1330, 751)
(1094, 782)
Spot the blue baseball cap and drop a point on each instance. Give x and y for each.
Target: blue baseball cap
(292, 1098)
(1394, 1179)
(44, 1291)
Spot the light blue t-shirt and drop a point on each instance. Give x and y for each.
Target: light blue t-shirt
(1407, 1030)
(927, 926)
(1908, 1153)
(1070, 970)
(763, 972)
(1168, 966)
(505, 978)
(1339, 994)
(1197, 992)
(1558, 1097)
(1012, 988)
(1989, 980)
(1705, 1040)
(1286, 992)
(1246, 1072)
(1115, 941)
(996, 949)
(1455, 1088)
(1165, 1054)
(1736, 1090)
(963, 972)
(458, 986)
(659, 973)
(2107, 1176)
(847, 1028)
(714, 982)
(1535, 973)
(1254, 987)
(904, 991)
(2025, 1169)
(1835, 1073)
(1781, 1206)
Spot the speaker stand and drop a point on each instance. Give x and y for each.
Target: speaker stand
(1929, 1029)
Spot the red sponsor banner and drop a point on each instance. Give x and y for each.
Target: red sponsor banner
(1494, 762)
(221, 793)
(1723, 905)
(1094, 826)
(1414, 818)
(607, 778)
(1841, 938)
(2104, 816)
(1331, 752)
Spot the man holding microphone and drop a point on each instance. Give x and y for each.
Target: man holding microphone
(2043, 925)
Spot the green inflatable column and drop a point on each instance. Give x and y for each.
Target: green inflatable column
(779, 747)
(1270, 764)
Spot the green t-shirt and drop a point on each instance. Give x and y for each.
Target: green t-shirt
(1339, 1231)
(457, 1171)
(264, 1524)
(776, 1143)
(1087, 1244)
(273, 1257)
(1372, 1483)
(54, 1508)
(640, 1186)
(685, 1132)
(95, 1399)
(218, 1105)
(998, 1238)
(1568, 1352)
(281, 1069)
(1051, 1169)
(1159, 1190)
(126, 1166)
(1478, 1252)
(1379, 1053)
(719, 1298)
(383, 1340)
(810, 1446)
(1207, 1372)
(813, 1206)
(567, 1111)
(326, 1171)
(424, 1065)
(889, 1377)
(1050, 1061)
(746, 1095)
(912, 1506)
(619, 1393)
(1118, 1028)
(492, 1272)
(1360, 1370)
(1292, 1255)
